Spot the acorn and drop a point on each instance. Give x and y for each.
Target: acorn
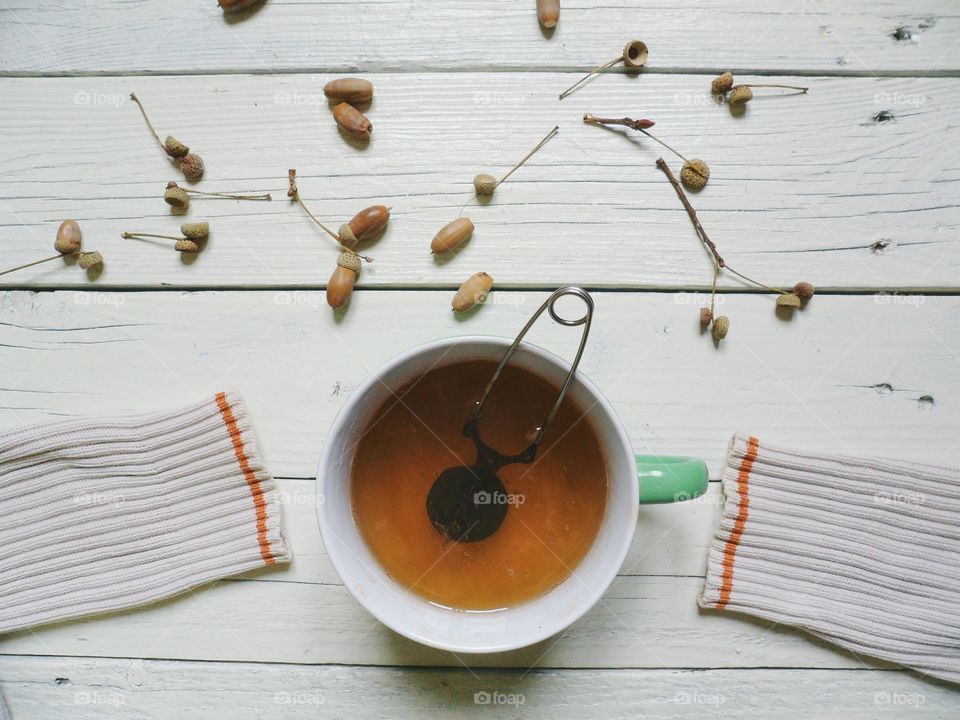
(192, 166)
(788, 300)
(473, 291)
(174, 148)
(720, 327)
(484, 184)
(452, 235)
(349, 90)
(68, 237)
(88, 260)
(340, 287)
(804, 291)
(176, 196)
(548, 12)
(740, 94)
(366, 223)
(232, 6)
(694, 173)
(722, 83)
(706, 316)
(196, 230)
(352, 121)
(634, 56)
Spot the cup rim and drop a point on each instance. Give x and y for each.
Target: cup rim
(613, 558)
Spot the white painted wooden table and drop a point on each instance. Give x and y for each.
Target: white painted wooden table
(809, 187)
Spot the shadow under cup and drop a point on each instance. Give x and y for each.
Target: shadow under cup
(413, 616)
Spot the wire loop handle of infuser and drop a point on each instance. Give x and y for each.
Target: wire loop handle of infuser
(548, 305)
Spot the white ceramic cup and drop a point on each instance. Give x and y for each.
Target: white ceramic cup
(530, 622)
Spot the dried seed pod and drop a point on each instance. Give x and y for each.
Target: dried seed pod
(722, 83)
(706, 316)
(473, 291)
(349, 90)
(352, 121)
(90, 259)
(68, 237)
(340, 287)
(548, 12)
(484, 184)
(694, 173)
(804, 291)
(721, 325)
(196, 230)
(365, 223)
(788, 300)
(452, 235)
(635, 54)
(176, 196)
(232, 6)
(185, 245)
(174, 148)
(740, 94)
(191, 166)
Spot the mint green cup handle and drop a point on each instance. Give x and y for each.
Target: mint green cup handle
(669, 478)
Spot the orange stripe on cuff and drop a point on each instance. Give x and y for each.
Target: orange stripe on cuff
(743, 507)
(256, 491)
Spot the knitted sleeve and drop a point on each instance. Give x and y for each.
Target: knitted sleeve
(100, 514)
(862, 552)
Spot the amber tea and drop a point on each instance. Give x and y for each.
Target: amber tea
(554, 505)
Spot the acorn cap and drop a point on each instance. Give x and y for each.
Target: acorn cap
(90, 259)
(196, 230)
(722, 83)
(350, 261)
(192, 166)
(484, 184)
(635, 54)
(347, 236)
(804, 291)
(174, 148)
(790, 300)
(694, 174)
(720, 327)
(185, 245)
(176, 196)
(740, 94)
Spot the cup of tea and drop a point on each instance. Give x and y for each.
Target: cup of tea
(534, 544)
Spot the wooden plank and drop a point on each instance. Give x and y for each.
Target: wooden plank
(802, 187)
(186, 36)
(88, 689)
(849, 374)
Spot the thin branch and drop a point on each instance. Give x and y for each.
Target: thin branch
(708, 243)
(549, 136)
(133, 96)
(37, 262)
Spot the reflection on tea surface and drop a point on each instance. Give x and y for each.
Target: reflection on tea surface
(555, 505)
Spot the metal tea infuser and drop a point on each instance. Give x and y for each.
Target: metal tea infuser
(470, 503)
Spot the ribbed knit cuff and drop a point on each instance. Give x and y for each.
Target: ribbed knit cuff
(100, 514)
(863, 552)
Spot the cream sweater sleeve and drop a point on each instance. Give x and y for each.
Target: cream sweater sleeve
(100, 514)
